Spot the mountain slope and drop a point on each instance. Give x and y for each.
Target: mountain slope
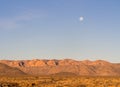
(6, 70)
(47, 67)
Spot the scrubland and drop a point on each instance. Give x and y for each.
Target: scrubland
(59, 81)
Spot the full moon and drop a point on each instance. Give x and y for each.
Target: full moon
(81, 18)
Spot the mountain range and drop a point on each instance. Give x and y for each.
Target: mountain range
(57, 67)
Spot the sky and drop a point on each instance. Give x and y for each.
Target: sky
(60, 29)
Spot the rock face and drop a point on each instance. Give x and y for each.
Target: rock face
(47, 67)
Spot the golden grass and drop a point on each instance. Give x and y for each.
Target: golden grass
(59, 81)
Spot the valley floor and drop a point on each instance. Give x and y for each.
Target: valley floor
(59, 81)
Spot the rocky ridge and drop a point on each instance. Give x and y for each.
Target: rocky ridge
(48, 67)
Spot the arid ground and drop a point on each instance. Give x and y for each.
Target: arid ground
(59, 81)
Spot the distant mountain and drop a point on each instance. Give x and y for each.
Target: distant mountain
(60, 67)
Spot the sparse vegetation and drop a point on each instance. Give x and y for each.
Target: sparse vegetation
(59, 81)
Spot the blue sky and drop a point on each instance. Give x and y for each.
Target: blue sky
(51, 29)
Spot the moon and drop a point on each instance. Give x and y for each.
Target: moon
(81, 18)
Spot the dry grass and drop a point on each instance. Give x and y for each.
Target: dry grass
(59, 81)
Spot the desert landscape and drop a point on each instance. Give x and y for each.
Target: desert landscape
(59, 43)
(59, 73)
